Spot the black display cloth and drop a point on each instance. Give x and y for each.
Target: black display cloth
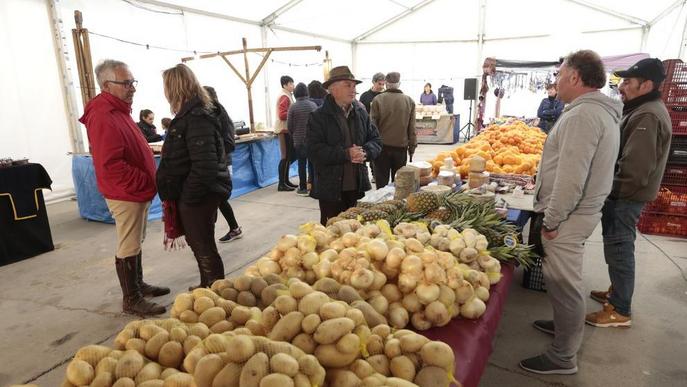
(526, 64)
(24, 227)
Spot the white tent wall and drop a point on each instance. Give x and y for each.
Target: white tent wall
(33, 117)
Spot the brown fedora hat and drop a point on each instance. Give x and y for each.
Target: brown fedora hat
(340, 73)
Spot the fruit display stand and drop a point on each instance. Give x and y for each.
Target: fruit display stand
(433, 125)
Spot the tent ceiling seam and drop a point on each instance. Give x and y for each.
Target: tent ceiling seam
(392, 20)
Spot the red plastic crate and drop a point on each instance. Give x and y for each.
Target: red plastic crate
(675, 175)
(676, 70)
(659, 224)
(674, 93)
(670, 200)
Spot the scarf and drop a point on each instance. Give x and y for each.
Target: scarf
(174, 231)
(632, 104)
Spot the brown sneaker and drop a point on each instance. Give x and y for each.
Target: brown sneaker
(608, 318)
(600, 296)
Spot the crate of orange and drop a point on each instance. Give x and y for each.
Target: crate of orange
(511, 148)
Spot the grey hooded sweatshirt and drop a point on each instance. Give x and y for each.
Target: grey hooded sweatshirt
(577, 166)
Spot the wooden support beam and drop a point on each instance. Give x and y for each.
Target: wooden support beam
(257, 50)
(233, 68)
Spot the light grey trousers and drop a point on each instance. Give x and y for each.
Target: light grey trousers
(562, 267)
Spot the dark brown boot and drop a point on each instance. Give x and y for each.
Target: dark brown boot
(211, 269)
(146, 289)
(133, 300)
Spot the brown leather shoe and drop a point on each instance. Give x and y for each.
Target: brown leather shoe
(133, 301)
(147, 289)
(600, 296)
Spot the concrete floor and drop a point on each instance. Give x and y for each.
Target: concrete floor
(57, 302)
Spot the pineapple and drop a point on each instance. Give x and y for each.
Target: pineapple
(442, 214)
(372, 215)
(400, 204)
(348, 215)
(423, 202)
(365, 205)
(388, 208)
(333, 220)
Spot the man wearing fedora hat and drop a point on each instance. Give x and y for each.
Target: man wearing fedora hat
(394, 114)
(340, 139)
(645, 133)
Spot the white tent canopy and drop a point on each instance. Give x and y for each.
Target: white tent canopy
(437, 41)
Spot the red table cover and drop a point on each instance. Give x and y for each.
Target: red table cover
(472, 340)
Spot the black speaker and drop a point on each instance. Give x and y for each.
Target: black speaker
(470, 89)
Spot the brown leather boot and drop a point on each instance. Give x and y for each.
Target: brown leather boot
(211, 269)
(146, 289)
(600, 296)
(133, 301)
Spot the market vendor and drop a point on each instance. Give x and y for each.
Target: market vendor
(340, 139)
(428, 97)
(550, 109)
(145, 123)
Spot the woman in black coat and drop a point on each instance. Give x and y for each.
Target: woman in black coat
(145, 123)
(193, 168)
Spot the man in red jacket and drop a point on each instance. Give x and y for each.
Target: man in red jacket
(125, 172)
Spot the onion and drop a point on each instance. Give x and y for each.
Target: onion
(350, 239)
(391, 292)
(452, 234)
(377, 249)
(442, 230)
(406, 283)
(434, 273)
(395, 257)
(474, 308)
(321, 238)
(468, 255)
(420, 322)
(446, 295)
(411, 264)
(423, 237)
(362, 278)
(434, 240)
(348, 253)
(414, 245)
(411, 303)
(484, 280)
(457, 245)
(378, 281)
(275, 254)
(427, 256)
(464, 292)
(444, 244)
(337, 244)
(267, 266)
(286, 242)
(481, 243)
(379, 303)
(453, 277)
(472, 276)
(306, 243)
(329, 255)
(494, 277)
(437, 314)
(310, 259)
(482, 293)
(398, 317)
(292, 257)
(470, 237)
(295, 272)
(392, 243)
(427, 292)
(322, 269)
(389, 272)
(445, 260)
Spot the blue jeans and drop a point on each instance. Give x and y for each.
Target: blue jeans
(619, 221)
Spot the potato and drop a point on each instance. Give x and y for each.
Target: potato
(284, 364)
(171, 354)
(188, 316)
(148, 330)
(332, 310)
(276, 380)
(305, 342)
(375, 345)
(431, 376)
(229, 294)
(107, 364)
(357, 316)
(124, 382)
(342, 378)
(380, 363)
(332, 330)
(379, 303)
(402, 367)
(270, 316)
(330, 357)
(300, 289)
(310, 323)
(348, 343)
(242, 282)
(362, 368)
(180, 379)
(150, 371)
(256, 328)
(241, 348)
(183, 301)
(152, 348)
(327, 285)
(256, 368)
(199, 329)
(246, 298)
(285, 304)
(212, 315)
(392, 348)
(391, 292)
(202, 304)
(257, 286)
(398, 316)
(240, 315)
(206, 370)
(193, 357)
(311, 303)
(136, 344)
(80, 373)
(439, 354)
(372, 317)
(190, 343)
(223, 326)
(348, 294)
(122, 337)
(287, 327)
(412, 342)
(229, 376)
(92, 354)
(398, 382)
(178, 334)
(300, 380)
(271, 292)
(216, 343)
(168, 372)
(104, 379)
(382, 330)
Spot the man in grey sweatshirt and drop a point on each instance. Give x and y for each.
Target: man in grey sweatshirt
(575, 177)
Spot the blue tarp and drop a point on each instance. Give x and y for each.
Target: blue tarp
(254, 166)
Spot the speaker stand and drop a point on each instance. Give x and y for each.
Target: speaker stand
(467, 128)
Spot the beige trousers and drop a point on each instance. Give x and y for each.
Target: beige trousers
(130, 221)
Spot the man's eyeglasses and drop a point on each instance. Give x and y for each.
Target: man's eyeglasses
(128, 83)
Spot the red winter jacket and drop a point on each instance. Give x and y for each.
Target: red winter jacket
(124, 164)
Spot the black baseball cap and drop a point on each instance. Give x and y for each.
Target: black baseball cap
(649, 68)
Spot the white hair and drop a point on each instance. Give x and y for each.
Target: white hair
(393, 85)
(104, 71)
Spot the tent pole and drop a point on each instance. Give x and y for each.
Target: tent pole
(248, 85)
(354, 57)
(683, 43)
(266, 80)
(645, 36)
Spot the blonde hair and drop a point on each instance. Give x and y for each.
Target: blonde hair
(181, 85)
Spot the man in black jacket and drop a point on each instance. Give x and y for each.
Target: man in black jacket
(340, 139)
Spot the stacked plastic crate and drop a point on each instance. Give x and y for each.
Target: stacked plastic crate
(667, 215)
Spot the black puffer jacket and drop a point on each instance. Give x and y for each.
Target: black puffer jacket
(325, 149)
(193, 163)
(149, 132)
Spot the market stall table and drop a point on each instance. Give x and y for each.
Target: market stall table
(472, 340)
(254, 166)
(437, 129)
(24, 227)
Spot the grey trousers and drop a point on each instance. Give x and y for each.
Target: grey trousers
(562, 268)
